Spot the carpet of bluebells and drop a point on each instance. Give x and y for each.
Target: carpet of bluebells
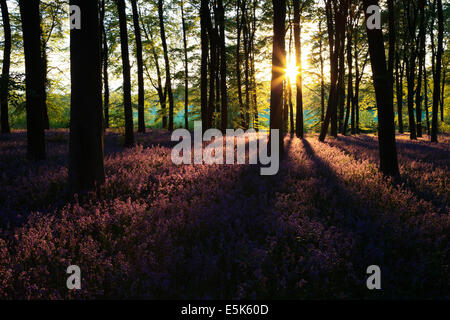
(156, 230)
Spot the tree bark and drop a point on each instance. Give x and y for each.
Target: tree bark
(129, 128)
(105, 56)
(204, 15)
(86, 167)
(186, 68)
(4, 81)
(140, 68)
(29, 11)
(334, 43)
(278, 65)
(223, 67)
(350, 79)
(437, 76)
(383, 92)
(299, 130)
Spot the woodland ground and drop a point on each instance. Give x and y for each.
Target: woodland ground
(156, 230)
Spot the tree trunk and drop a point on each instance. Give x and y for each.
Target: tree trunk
(29, 11)
(334, 42)
(223, 67)
(140, 68)
(4, 81)
(421, 51)
(425, 94)
(186, 68)
(86, 168)
(278, 65)
(44, 78)
(167, 64)
(129, 130)
(105, 56)
(399, 72)
(204, 15)
(437, 76)
(299, 130)
(322, 76)
(383, 92)
(350, 79)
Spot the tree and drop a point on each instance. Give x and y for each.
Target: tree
(383, 93)
(204, 16)
(223, 66)
(86, 168)
(278, 67)
(335, 17)
(105, 58)
(4, 81)
(186, 67)
(410, 57)
(29, 11)
(140, 67)
(437, 75)
(166, 61)
(298, 61)
(129, 131)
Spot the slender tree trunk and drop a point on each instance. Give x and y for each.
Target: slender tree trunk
(278, 65)
(410, 58)
(444, 73)
(350, 79)
(86, 168)
(223, 67)
(341, 81)
(44, 78)
(421, 51)
(167, 64)
(299, 130)
(29, 11)
(140, 68)
(253, 68)
(425, 94)
(322, 76)
(129, 130)
(204, 16)
(238, 61)
(4, 82)
(399, 72)
(105, 56)
(186, 68)
(437, 77)
(334, 42)
(246, 64)
(383, 92)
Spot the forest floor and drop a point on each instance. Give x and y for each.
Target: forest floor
(157, 230)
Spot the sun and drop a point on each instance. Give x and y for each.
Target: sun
(291, 70)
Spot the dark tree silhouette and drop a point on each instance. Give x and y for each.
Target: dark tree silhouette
(4, 81)
(129, 131)
(105, 56)
(204, 16)
(278, 66)
(383, 93)
(186, 67)
(298, 61)
(223, 66)
(140, 67)
(29, 11)
(437, 75)
(86, 169)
